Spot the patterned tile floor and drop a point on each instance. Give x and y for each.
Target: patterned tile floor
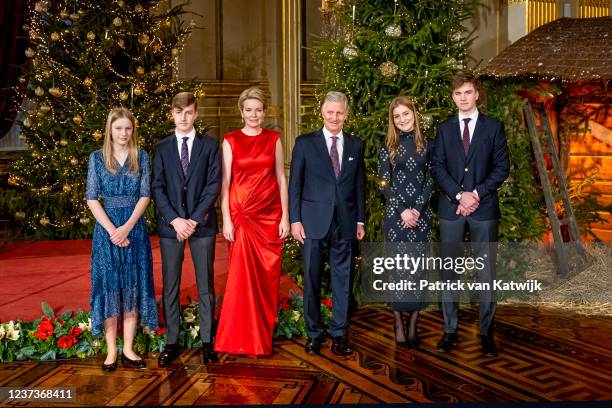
(545, 355)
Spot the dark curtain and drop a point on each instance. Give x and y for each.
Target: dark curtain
(13, 43)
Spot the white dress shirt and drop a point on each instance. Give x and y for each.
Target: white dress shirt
(339, 143)
(471, 124)
(179, 140)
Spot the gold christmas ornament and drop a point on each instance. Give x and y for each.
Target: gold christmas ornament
(74, 161)
(29, 52)
(67, 188)
(20, 215)
(91, 36)
(394, 30)
(44, 108)
(97, 134)
(39, 91)
(78, 119)
(55, 37)
(138, 91)
(138, 8)
(27, 122)
(156, 47)
(175, 52)
(349, 52)
(35, 154)
(64, 14)
(44, 221)
(388, 69)
(57, 92)
(117, 22)
(64, 142)
(123, 96)
(143, 39)
(12, 181)
(41, 6)
(87, 82)
(140, 70)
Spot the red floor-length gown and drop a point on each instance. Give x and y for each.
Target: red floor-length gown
(250, 302)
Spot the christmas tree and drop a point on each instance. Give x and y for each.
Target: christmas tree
(86, 57)
(378, 49)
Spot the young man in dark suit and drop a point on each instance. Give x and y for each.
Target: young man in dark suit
(186, 183)
(327, 213)
(470, 162)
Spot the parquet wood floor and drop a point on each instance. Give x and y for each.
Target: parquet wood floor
(545, 355)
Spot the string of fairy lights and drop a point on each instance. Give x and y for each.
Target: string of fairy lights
(84, 58)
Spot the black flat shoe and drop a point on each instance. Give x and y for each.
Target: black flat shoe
(110, 367)
(414, 343)
(134, 363)
(167, 356)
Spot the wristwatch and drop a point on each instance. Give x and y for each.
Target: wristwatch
(458, 196)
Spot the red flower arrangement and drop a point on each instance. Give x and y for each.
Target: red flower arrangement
(327, 303)
(45, 328)
(65, 342)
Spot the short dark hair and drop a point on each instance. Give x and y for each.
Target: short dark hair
(465, 77)
(184, 99)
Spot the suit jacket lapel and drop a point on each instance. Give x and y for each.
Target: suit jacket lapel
(346, 150)
(478, 134)
(174, 155)
(321, 147)
(456, 139)
(196, 148)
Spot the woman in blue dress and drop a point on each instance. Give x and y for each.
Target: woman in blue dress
(121, 259)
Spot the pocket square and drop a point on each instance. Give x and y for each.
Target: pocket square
(351, 158)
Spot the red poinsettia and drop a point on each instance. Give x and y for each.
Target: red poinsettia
(327, 303)
(65, 342)
(160, 330)
(45, 328)
(75, 332)
(284, 304)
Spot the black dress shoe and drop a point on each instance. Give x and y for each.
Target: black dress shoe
(134, 363)
(340, 346)
(110, 367)
(313, 345)
(488, 346)
(448, 341)
(208, 354)
(167, 356)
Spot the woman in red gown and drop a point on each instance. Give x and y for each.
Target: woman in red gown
(255, 222)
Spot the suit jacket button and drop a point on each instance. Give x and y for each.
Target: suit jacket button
(466, 169)
(184, 188)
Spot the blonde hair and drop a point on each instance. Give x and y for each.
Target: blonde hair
(392, 139)
(107, 148)
(252, 93)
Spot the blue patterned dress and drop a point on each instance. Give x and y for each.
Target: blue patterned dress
(121, 278)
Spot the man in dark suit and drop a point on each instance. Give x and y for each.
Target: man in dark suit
(186, 183)
(327, 213)
(470, 162)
